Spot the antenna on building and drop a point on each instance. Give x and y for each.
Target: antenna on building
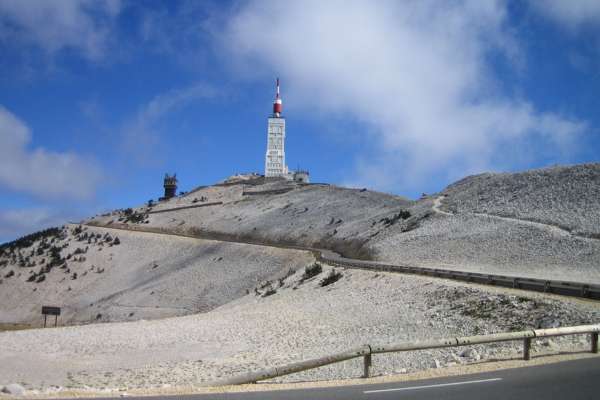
(277, 106)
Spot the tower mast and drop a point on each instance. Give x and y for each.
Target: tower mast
(275, 157)
(277, 106)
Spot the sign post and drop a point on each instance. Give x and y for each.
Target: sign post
(50, 310)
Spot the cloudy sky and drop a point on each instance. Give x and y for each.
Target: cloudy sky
(99, 98)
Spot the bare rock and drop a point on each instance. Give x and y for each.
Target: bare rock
(470, 353)
(14, 389)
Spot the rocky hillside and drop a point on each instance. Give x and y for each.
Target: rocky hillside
(301, 318)
(275, 212)
(567, 197)
(540, 223)
(102, 275)
(254, 306)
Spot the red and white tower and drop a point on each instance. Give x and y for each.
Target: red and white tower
(277, 102)
(275, 157)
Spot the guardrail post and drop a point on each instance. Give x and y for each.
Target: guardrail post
(594, 342)
(527, 349)
(367, 363)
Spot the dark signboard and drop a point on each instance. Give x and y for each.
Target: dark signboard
(49, 310)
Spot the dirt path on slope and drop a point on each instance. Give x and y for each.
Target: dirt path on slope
(555, 229)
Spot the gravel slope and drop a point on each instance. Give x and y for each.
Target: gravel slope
(486, 244)
(309, 215)
(541, 223)
(145, 276)
(565, 196)
(299, 321)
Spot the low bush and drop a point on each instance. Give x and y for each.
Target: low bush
(389, 221)
(27, 241)
(269, 292)
(332, 277)
(311, 271)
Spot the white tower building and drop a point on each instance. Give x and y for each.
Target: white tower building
(275, 157)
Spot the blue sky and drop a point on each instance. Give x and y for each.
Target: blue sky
(98, 99)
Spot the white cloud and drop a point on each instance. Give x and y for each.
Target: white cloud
(53, 25)
(38, 171)
(570, 13)
(416, 73)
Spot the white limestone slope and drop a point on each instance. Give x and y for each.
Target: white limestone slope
(145, 276)
(539, 223)
(300, 321)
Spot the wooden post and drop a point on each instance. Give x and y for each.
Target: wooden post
(594, 342)
(368, 362)
(44, 320)
(527, 349)
(55, 320)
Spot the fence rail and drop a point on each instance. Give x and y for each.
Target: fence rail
(367, 351)
(565, 288)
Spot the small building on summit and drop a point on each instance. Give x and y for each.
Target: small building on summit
(170, 185)
(301, 176)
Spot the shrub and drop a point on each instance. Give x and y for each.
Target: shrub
(133, 216)
(332, 277)
(116, 241)
(269, 292)
(311, 271)
(41, 278)
(403, 214)
(27, 241)
(287, 275)
(10, 273)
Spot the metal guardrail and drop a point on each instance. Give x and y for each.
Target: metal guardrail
(577, 289)
(164, 210)
(367, 351)
(565, 288)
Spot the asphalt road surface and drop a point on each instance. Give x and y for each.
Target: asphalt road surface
(579, 379)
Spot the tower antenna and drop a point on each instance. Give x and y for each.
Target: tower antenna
(277, 106)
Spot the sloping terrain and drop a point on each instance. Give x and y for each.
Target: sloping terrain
(275, 212)
(100, 275)
(300, 319)
(249, 310)
(541, 223)
(566, 197)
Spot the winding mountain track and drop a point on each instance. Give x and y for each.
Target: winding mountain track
(555, 229)
(566, 288)
(437, 204)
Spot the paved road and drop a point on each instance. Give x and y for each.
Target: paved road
(571, 380)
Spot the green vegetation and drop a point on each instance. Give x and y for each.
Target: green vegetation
(389, 221)
(29, 240)
(331, 278)
(311, 271)
(129, 215)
